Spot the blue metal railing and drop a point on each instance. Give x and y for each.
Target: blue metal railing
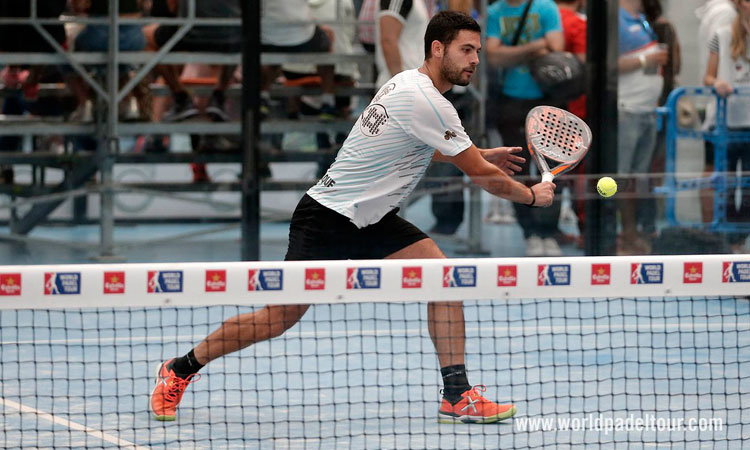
(722, 183)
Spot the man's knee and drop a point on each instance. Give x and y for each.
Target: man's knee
(283, 317)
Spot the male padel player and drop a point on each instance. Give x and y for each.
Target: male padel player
(351, 213)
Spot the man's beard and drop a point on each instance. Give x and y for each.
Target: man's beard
(454, 74)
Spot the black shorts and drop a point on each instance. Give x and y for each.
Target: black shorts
(319, 43)
(319, 233)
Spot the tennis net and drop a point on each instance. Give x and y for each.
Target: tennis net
(597, 352)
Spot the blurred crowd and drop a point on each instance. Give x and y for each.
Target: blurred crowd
(520, 33)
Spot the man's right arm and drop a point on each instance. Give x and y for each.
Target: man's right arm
(493, 180)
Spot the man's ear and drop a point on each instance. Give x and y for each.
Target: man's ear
(437, 49)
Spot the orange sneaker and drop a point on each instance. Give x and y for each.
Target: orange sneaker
(474, 408)
(168, 391)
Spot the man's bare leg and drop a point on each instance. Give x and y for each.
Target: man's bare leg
(445, 320)
(243, 330)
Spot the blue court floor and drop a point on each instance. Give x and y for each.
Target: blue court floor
(365, 376)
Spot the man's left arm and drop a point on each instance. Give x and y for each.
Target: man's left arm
(504, 158)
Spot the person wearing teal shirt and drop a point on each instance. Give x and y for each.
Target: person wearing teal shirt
(517, 93)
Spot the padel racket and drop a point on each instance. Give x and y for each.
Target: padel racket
(555, 134)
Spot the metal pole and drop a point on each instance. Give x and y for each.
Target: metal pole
(601, 56)
(250, 225)
(109, 145)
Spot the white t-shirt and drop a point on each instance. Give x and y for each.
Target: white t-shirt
(638, 91)
(414, 16)
(737, 73)
(389, 148)
(713, 15)
(273, 30)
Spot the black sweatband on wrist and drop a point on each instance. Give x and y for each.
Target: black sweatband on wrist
(533, 199)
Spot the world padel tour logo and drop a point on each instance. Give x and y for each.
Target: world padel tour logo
(216, 280)
(10, 284)
(507, 275)
(363, 278)
(164, 281)
(411, 277)
(114, 282)
(59, 283)
(692, 273)
(459, 276)
(265, 280)
(646, 273)
(553, 275)
(315, 279)
(735, 272)
(601, 274)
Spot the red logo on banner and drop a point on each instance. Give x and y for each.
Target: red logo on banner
(507, 275)
(600, 274)
(10, 284)
(114, 282)
(315, 279)
(216, 280)
(693, 272)
(411, 277)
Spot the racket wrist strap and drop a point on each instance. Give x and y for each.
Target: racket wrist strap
(533, 198)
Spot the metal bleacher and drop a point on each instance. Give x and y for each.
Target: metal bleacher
(91, 172)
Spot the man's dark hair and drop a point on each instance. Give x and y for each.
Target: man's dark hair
(444, 27)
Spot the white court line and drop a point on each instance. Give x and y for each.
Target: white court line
(399, 332)
(122, 443)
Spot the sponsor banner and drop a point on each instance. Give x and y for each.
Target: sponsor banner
(692, 272)
(553, 275)
(735, 272)
(601, 274)
(114, 282)
(10, 284)
(62, 283)
(646, 273)
(216, 280)
(459, 276)
(411, 277)
(164, 281)
(315, 279)
(507, 275)
(265, 280)
(363, 278)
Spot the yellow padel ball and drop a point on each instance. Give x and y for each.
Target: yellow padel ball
(606, 187)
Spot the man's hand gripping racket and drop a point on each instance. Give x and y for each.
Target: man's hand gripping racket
(555, 134)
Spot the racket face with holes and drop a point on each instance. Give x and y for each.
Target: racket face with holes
(555, 134)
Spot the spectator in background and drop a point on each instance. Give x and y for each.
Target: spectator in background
(574, 31)
(283, 31)
(713, 15)
(399, 36)
(198, 39)
(22, 82)
(728, 67)
(95, 38)
(639, 88)
(345, 73)
(667, 37)
(366, 27)
(541, 33)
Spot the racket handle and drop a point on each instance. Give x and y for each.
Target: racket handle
(547, 176)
